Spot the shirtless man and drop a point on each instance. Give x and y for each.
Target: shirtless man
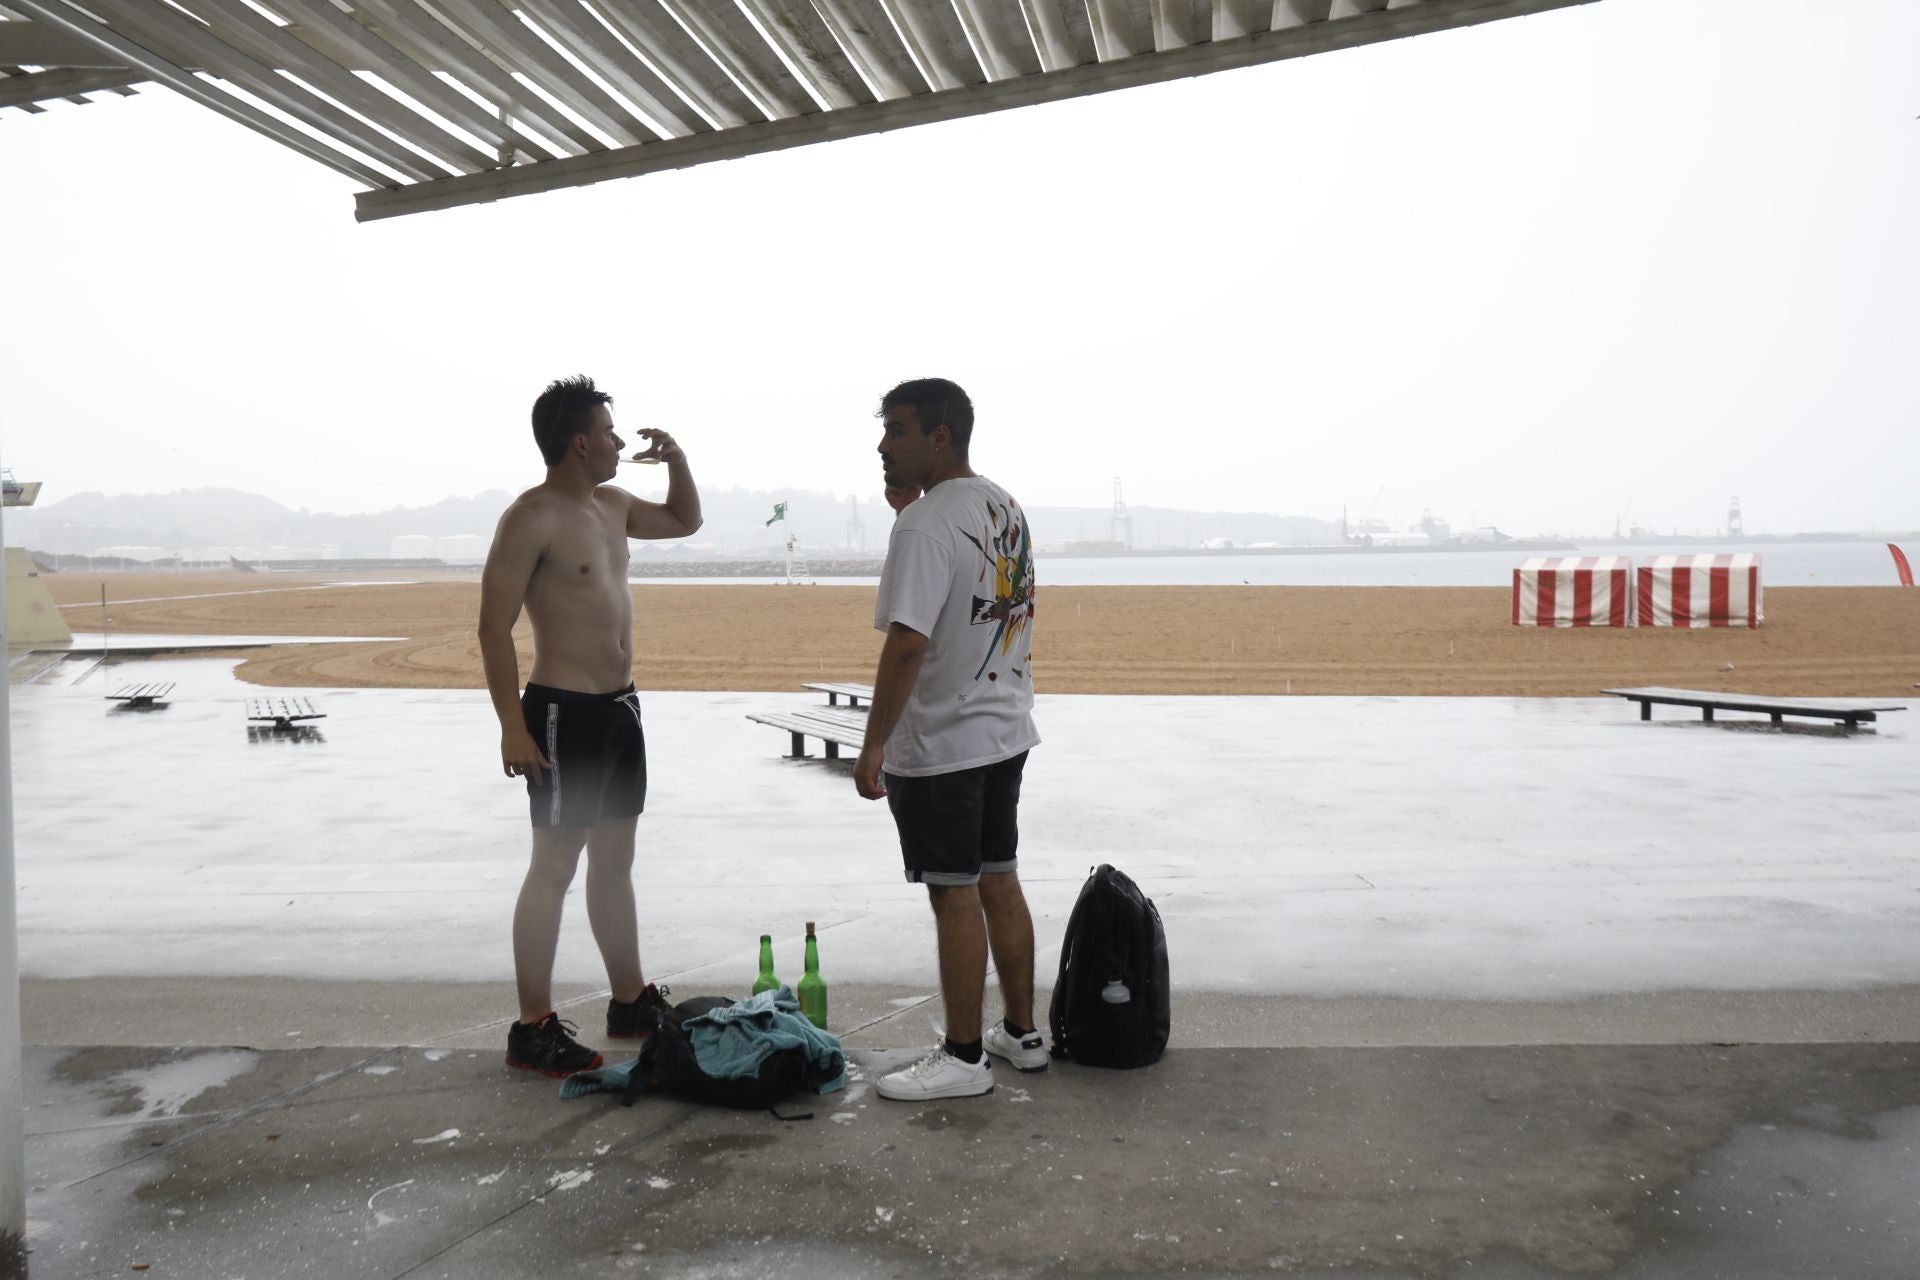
(560, 552)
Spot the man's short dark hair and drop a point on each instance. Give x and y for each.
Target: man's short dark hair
(934, 401)
(563, 411)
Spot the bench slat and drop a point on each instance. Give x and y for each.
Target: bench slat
(834, 728)
(283, 710)
(855, 694)
(1748, 702)
(1708, 701)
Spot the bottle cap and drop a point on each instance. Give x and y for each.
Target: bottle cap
(809, 928)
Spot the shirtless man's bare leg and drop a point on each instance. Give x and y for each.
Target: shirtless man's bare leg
(536, 916)
(610, 908)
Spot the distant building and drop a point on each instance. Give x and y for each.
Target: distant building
(463, 548)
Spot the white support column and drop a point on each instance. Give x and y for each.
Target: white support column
(13, 1116)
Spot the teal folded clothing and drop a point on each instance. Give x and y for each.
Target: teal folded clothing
(734, 1041)
(615, 1077)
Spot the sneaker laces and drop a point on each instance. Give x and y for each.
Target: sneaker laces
(931, 1063)
(555, 1024)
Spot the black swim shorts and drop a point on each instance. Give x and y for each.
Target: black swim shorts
(953, 826)
(597, 751)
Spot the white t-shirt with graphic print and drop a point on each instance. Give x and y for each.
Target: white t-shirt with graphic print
(960, 572)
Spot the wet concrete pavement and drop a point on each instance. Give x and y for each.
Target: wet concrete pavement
(1747, 1161)
(1463, 989)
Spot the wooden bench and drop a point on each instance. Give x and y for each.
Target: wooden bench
(834, 728)
(141, 697)
(1709, 702)
(853, 693)
(286, 713)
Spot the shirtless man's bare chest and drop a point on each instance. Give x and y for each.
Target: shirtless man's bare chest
(578, 598)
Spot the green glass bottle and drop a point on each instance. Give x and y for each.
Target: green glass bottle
(766, 981)
(813, 987)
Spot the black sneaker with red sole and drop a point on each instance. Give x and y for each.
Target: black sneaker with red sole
(547, 1047)
(636, 1019)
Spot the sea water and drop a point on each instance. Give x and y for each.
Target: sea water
(1782, 564)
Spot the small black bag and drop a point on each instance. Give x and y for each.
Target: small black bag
(1112, 1005)
(668, 1065)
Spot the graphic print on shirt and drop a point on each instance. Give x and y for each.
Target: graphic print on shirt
(1004, 553)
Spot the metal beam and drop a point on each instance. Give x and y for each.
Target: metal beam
(730, 41)
(868, 39)
(944, 58)
(1299, 13)
(491, 29)
(681, 62)
(1004, 50)
(58, 13)
(36, 44)
(580, 33)
(431, 43)
(808, 50)
(1054, 34)
(172, 33)
(1114, 33)
(245, 29)
(1253, 50)
(347, 42)
(44, 86)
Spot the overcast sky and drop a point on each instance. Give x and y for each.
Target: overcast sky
(1620, 261)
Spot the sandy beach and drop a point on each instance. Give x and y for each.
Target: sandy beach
(1830, 641)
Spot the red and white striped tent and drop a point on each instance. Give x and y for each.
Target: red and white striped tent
(1701, 591)
(1574, 591)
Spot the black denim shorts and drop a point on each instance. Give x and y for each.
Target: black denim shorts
(954, 826)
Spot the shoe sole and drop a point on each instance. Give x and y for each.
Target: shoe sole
(1014, 1062)
(932, 1097)
(550, 1074)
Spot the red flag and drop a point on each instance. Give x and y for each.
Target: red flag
(1900, 563)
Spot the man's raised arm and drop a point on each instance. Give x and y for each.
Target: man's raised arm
(511, 560)
(679, 515)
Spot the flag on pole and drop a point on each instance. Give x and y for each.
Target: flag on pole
(779, 512)
(1900, 563)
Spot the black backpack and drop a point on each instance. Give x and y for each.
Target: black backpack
(667, 1065)
(1112, 1006)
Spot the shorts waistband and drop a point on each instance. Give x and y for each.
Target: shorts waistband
(574, 697)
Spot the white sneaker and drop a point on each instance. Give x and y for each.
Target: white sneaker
(1027, 1053)
(938, 1075)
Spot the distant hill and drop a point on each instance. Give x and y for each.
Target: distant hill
(213, 524)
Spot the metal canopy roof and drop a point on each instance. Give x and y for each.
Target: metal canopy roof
(436, 103)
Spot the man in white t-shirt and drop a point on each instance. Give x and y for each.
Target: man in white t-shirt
(950, 726)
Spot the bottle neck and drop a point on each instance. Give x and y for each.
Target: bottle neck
(813, 956)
